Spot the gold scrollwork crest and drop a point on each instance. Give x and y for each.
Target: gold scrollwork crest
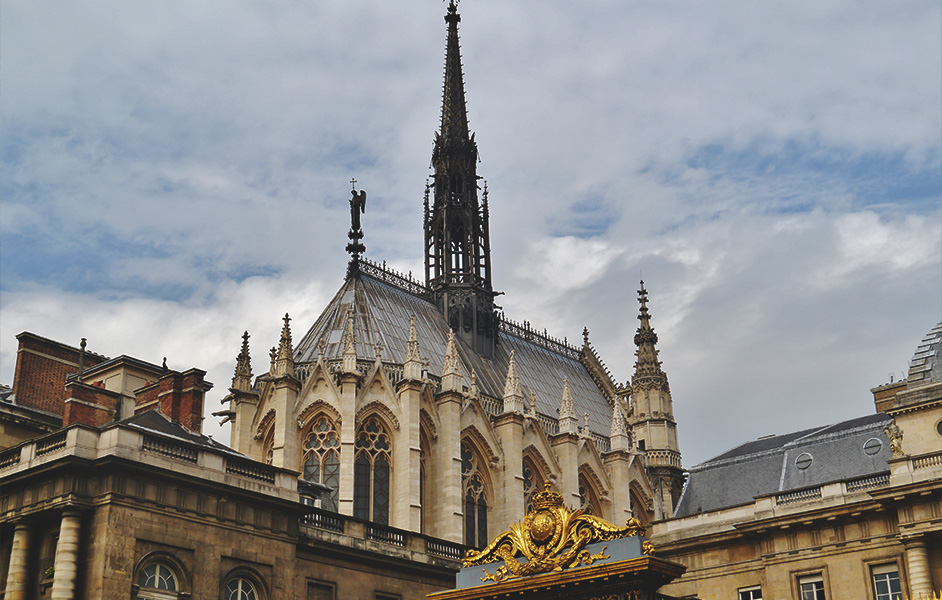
(551, 538)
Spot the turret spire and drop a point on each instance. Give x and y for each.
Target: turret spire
(652, 416)
(284, 362)
(242, 380)
(457, 248)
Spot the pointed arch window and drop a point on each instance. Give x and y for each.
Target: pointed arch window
(423, 481)
(588, 499)
(475, 499)
(371, 472)
(321, 458)
(268, 444)
(532, 482)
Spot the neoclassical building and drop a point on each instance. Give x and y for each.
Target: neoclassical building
(846, 511)
(421, 406)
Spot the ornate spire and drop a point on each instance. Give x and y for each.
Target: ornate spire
(647, 364)
(513, 396)
(457, 244)
(652, 410)
(454, 111)
(242, 380)
(284, 362)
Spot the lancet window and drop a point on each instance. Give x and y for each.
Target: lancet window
(371, 472)
(475, 498)
(532, 482)
(322, 458)
(588, 500)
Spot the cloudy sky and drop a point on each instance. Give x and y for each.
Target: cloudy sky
(174, 173)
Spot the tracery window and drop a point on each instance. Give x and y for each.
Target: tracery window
(475, 499)
(371, 473)
(157, 581)
(322, 458)
(532, 483)
(240, 588)
(588, 501)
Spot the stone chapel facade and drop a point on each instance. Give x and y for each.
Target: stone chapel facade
(421, 407)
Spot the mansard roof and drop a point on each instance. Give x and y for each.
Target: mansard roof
(383, 304)
(770, 465)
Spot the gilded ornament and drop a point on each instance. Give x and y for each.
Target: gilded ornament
(552, 537)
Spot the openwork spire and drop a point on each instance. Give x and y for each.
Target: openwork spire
(457, 239)
(242, 380)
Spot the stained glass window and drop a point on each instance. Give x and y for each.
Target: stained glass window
(371, 473)
(322, 458)
(475, 499)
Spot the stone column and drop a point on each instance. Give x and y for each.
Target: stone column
(17, 574)
(917, 562)
(66, 565)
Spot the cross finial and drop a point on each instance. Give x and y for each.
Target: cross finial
(353, 182)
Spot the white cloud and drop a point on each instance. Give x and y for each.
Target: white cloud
(771, 168)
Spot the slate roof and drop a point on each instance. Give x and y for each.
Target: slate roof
(768, 465)
(926, 364)
(382, 314)
(154, 421)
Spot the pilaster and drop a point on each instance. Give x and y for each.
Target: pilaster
(407, 458)
(509, 429)
(566, 446)
(447, 512)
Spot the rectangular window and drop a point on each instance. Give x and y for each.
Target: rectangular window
(811, 587)
(750, 593)
(321, 590)
(886, 584)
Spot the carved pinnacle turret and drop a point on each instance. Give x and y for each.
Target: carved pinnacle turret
(284, 362)
(349, 346)
(242, 380)
(451, 370)
(513, 396)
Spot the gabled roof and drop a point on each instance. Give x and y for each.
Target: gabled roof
(769, 465)
(382, 313)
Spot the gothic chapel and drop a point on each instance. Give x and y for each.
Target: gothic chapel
(421, 407)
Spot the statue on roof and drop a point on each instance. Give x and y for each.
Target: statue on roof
(357, 207)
